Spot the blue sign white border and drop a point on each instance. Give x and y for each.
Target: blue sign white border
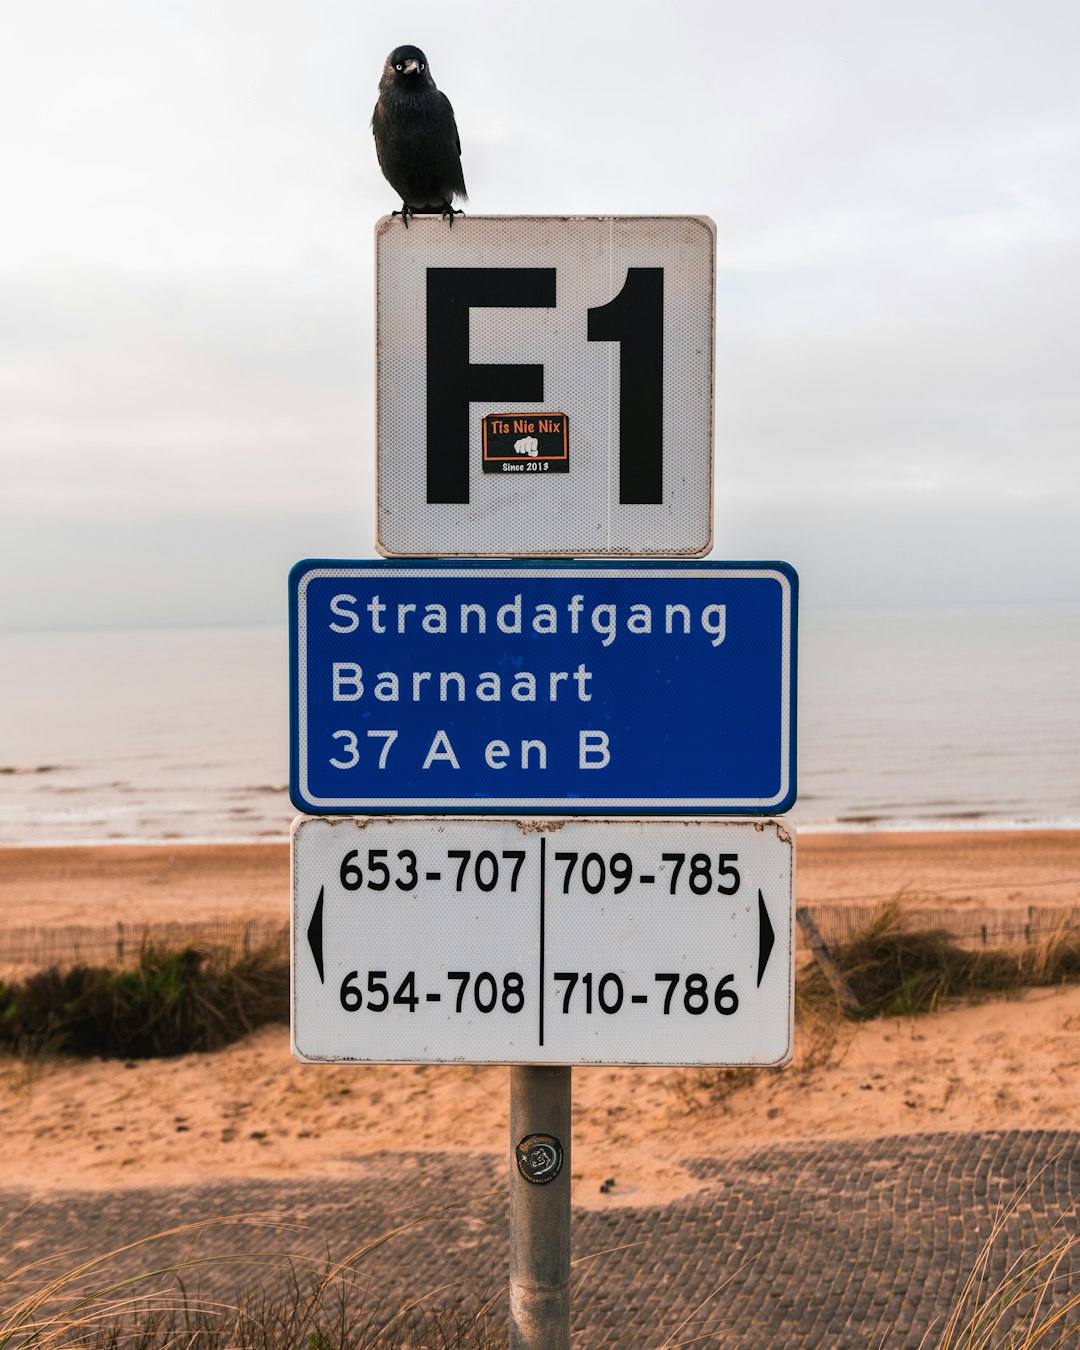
(312, 568)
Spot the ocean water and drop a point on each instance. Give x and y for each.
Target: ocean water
(148, 734)
(940, 716)
(929, 717)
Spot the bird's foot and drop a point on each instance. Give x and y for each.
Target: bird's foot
(445, 210)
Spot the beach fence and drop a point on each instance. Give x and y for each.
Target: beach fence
(1001, 927)
(121, 944)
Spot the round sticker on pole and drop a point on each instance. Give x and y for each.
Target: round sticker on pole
(539, 1158)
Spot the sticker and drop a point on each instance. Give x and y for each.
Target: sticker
(539, 1158)
(526, 443)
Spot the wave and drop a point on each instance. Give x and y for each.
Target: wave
(34, 768)
(985, 822)
(874, 818)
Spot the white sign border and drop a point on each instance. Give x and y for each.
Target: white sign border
(688, 552)
(582, 805)
(784, 933)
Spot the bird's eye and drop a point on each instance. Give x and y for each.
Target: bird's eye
(399, 66)
(421, 66)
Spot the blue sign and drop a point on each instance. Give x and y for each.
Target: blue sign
(573, 688)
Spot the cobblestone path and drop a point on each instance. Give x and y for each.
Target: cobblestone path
(839, 1244)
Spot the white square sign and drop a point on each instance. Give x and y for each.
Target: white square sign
(545, 386)
(590, 941)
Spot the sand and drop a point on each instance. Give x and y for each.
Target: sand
(953, 868)
(251, 1111)
(137, 883)
(196, 882)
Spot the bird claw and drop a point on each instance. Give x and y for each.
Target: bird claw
(447, 212)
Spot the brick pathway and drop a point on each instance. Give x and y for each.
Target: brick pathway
(839, 1244)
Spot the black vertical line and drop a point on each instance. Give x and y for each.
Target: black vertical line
(543, 899)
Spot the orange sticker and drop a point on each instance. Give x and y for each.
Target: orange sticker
(526, 443)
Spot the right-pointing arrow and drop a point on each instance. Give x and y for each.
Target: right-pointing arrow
(314, 936)
(766, 937)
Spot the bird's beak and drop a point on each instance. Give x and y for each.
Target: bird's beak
(410, 67)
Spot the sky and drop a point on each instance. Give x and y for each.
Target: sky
(186, 277)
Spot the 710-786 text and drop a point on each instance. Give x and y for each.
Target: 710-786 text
(604, 993)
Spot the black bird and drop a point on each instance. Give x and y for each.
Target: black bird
(416, 137)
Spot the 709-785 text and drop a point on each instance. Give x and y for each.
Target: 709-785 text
(700, 873)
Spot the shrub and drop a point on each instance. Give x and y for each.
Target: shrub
(171, 1003)
(896, 971)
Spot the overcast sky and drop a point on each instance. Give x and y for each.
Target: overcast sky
(186, 265)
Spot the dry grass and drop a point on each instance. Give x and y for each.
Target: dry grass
(895, 970)
(1034, 1306)
(329, 1304)
(297, 1304)
(823, 1031)
(176, 1002)
(170, 1003)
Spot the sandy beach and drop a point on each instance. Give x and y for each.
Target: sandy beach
(252, 1111)
(196, 882)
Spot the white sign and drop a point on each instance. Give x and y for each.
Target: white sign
(545, 386)
(587, 941)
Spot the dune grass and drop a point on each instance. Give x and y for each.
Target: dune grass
(190, 1000)
(178, 1002)
(170, 1003)
(300, 1303)
(1025, 1310)
(293, 1303)
(895, 970)
(1035, 1305)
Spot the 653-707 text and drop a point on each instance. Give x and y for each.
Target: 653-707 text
(487, 869)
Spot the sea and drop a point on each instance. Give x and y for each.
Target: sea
(929, 717)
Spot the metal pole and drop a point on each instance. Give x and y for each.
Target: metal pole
(539, 1208)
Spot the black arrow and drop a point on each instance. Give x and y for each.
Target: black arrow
(314, 936)
(766, 936)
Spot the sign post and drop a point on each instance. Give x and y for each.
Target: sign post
(540, 1208)
(544, 393)
(541, 944)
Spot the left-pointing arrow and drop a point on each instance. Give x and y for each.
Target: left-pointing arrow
(314, 935)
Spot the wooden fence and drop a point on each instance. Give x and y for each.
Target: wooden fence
(122, 943)
(1003, 927)
(37, 948)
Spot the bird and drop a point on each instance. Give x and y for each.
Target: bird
(416, 138)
